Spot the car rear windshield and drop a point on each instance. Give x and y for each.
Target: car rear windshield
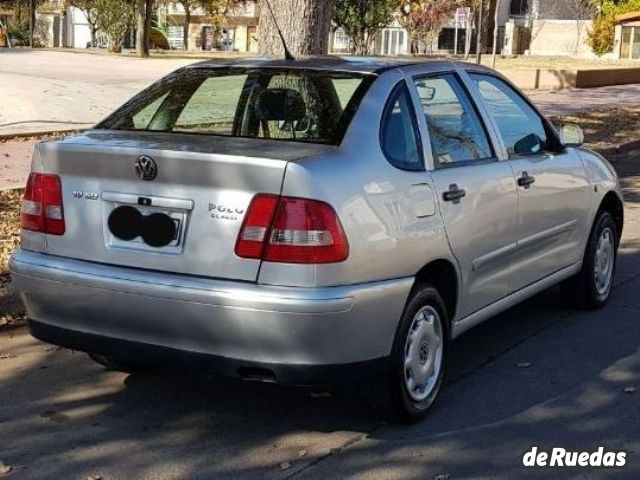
(292, 105)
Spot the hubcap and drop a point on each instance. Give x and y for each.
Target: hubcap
(423, 353)
(604, 262)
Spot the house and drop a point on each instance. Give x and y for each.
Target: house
(533, 27)
(627, 36)
(237, 31)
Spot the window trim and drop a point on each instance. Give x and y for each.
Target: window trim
(550, 129)
(464, 163)
(401, 88)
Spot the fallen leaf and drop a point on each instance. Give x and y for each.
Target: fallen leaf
(285, 465)
(630, 390)
(59, 417)
(4, 468)
(524, 365)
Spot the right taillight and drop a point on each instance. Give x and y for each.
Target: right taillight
(42, 209)
(292, 230)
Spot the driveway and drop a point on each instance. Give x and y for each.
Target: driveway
(540, 374)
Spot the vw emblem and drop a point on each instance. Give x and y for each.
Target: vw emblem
(146, 168)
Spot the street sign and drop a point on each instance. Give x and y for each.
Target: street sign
(463, 14)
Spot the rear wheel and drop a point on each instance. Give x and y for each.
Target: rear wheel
(418, 362)
(591, 287)
(116, 365)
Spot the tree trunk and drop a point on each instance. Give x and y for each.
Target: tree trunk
(185, 27)
(305, 25)
(142, 34)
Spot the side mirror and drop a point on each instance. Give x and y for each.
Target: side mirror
(571, 135)
(529, 145)
(425, 91)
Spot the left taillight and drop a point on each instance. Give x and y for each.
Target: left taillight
(42, 209)
(291, 230)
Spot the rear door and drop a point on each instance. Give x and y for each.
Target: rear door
(476, 190)
(553, 188)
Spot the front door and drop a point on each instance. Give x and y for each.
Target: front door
(476, 191)
(553, 188)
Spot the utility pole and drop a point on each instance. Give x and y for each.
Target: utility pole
(479, 35)
(495, 33)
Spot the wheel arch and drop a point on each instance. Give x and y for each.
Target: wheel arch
(613, 204)
(442, 275)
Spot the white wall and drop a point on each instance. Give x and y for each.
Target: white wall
(78, 27)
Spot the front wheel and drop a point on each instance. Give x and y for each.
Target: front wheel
(418, 361)
(591, 287)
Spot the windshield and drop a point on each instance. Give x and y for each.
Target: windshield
(295, 105)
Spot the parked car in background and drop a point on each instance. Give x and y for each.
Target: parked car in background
(305, 221)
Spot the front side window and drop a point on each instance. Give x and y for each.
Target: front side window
(398, 132)
(294, 105)
(456, 132)
(522, 129)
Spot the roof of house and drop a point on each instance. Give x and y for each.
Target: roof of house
(323, 62)
(625, 17)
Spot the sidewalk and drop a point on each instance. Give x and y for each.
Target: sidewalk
(563, 102)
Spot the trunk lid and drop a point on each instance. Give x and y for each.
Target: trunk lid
(204, 185)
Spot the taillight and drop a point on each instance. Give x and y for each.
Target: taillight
(42, 204)
(291, 230)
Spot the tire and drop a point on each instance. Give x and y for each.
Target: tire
(588, 289)
(115, 365)
(389, 395)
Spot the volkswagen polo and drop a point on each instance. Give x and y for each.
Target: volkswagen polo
(302, 221)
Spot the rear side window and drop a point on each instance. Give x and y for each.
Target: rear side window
(398, 132)
(456, 132)
(294, 105)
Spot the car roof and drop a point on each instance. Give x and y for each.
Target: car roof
(366, 65)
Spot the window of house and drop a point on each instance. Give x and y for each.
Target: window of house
(341, 40)
(519, 7)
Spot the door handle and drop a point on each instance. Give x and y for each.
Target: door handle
(454, 194)
(526, 180)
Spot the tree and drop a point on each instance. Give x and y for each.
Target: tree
(601, 35)
(144, 11)
(305, 25)
(187, 5)
(581, 11)
(363, 19)
(115, 17)
(88, 7)
(424, 20)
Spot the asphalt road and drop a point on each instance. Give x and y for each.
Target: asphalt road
(540, 374)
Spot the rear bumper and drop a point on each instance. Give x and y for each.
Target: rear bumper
(226, 327)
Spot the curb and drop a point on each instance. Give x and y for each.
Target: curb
(43, 133)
